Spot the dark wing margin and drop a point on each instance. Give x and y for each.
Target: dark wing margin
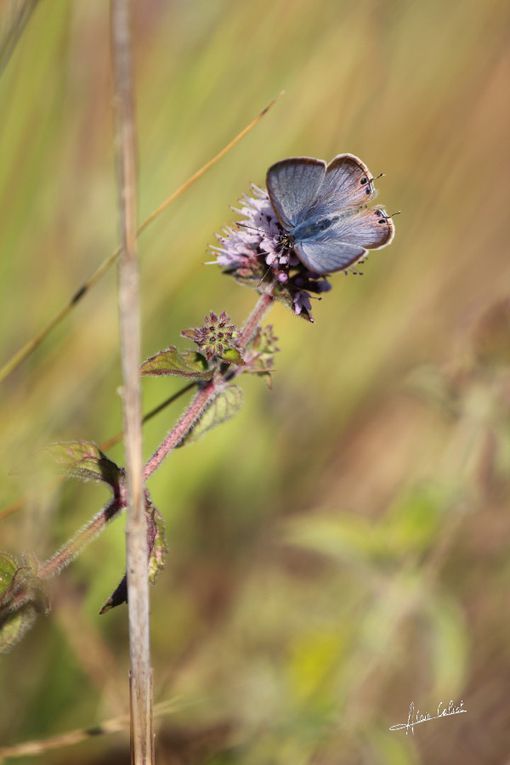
(293, 185)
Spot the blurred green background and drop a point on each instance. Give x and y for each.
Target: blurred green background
(339, 549)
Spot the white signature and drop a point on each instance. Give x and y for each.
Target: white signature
(415, 717)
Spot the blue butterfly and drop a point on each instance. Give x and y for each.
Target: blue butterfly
(323, 212)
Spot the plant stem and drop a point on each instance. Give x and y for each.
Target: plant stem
(117, 438)
(204, 398)
(252, 322)
(142, 743)
(193, 413)
(68, 552)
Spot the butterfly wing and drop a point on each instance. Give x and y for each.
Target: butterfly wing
(370, 228)
(293, 185)
(348, 240)
(347, 183)
(328, 256)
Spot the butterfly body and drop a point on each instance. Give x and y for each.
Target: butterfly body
(323, 212)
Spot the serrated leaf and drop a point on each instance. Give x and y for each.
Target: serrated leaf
(222, 408)
(170, 361)
(85, 460)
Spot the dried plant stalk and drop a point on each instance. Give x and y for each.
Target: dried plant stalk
(142, 748)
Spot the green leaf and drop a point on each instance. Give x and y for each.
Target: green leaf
(14, 625)
(8, 569)
(85, 461)
(188, 364)
(233, 356)
(222, 408)
(22, 596)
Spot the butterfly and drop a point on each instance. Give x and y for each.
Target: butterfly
(323, 211)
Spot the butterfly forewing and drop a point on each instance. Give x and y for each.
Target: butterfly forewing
(293, 185)
(348, 182)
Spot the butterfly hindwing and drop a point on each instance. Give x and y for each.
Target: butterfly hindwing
(370, 228)
(328, 256)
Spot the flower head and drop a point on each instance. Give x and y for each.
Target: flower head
(257, 252)
(215, 337)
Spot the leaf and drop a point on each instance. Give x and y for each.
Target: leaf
(222, 408)
(21, 598)
(118, 596)
(8, 569)
(233, 356)
(14, 625)
(85, 461)
(156, 539)
(188, 364)
(157, 550)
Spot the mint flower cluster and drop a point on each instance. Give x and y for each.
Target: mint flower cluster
(257, 253)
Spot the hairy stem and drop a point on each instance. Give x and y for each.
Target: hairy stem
(252, 322)
(68, 552)
(201, 401)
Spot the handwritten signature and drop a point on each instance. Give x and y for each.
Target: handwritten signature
(415, 717)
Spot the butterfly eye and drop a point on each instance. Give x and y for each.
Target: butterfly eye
(364, 181)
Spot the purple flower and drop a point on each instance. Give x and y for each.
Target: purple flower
(257, 252)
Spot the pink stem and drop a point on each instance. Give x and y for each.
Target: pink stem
(254, 319)
(184, 426)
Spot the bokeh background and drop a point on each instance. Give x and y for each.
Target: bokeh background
(339, 549)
